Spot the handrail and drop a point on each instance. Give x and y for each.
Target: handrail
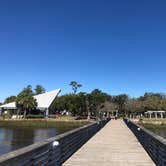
(52, 151)
(152, 143)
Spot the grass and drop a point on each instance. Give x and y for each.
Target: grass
(154, 126)
(153, 121)
(65, 118)
(42, 123)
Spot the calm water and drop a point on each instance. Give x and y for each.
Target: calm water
(157, 129)
(160, 132)
(17, 137)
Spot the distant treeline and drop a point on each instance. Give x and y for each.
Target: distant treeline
(97, 102)
(92, 104)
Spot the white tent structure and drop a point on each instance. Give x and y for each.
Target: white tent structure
(8, 106)
(44, 101)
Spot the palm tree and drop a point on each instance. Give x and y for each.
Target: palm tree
(39, 90)
(10, 99)
(75, 85)
(25, 101)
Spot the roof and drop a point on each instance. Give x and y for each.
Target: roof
(9, 105)
(157, 111)
(44, 100)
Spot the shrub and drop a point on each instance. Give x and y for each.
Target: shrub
(31, 116)
(51, 116)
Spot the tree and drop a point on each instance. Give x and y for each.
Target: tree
(108, 106)
(120, 100)
(74, 103)
(25, 100)
(75, 85)
(134, 106)
(39, 90)
(10, 99)
(95, 101)
(153, 101)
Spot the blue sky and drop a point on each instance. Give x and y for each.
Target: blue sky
(116, 46)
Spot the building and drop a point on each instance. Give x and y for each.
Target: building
(44, 102)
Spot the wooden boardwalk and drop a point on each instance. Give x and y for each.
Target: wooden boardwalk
(114, 145)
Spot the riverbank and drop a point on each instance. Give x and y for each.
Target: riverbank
(43, 123)
(16, 134)
(153, 121)
(153, 126)
(158, 126)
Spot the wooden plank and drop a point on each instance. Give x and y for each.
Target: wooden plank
(114, 145)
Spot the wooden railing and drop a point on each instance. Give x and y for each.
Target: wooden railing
(152, 143)
(53, 151)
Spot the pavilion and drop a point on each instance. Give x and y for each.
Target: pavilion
(43, 100)
(155, 113)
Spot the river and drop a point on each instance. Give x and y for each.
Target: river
(160, 132)
(12, 138)
(157, 129)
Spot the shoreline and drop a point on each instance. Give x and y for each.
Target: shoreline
(43, 123)
(153, 121)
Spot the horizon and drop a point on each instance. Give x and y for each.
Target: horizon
(118, 47)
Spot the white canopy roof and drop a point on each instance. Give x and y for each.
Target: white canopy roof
(9, 106)
(43, 100)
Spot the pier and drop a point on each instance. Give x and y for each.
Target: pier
(114, 145)
(103, 143)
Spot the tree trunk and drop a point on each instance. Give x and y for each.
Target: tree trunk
(18, 111)
(88, 117)
(88, 111)
(25, 113)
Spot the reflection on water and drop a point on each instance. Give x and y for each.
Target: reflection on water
(160, 132)
(15, 138)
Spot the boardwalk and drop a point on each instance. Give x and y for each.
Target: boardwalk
(114, 145)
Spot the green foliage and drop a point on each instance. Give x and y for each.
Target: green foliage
(81, 104)
(89, 104)
(96, 100)
(120, 100)
(25, 101)
(39, 90)
(153, 101)
(10, 99)
(7, 115)
(70, 102)
(75, 85)
(61, 126)
(32, 116)
(134, 105)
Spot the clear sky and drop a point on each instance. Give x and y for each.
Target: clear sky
(116, 46)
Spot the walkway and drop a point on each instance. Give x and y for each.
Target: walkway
(114, 145)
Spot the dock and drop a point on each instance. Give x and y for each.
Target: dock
(114, 145)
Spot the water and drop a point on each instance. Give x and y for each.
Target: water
(157, 129)
(12, 138)
(160, 132)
